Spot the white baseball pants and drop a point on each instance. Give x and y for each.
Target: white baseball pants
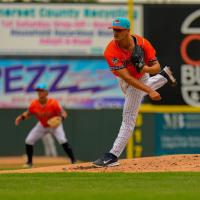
(133, 99)
(39, 131)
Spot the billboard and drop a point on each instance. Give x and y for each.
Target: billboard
(60, 29)
(80, 84)
(176, 38)
(177, 133)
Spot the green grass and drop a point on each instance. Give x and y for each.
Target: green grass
(99, 186)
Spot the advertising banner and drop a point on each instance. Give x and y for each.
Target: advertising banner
(177, 133)
(85, 83)
(176, 37)
(60, 29)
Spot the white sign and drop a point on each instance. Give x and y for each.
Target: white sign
(60, 29)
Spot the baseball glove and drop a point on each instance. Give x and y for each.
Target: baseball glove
(54, 122)
(137, 58)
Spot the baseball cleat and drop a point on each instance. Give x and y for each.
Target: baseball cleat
(109, 160)
(168, 74)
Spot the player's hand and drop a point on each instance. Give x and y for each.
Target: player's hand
(154, 69)
(17, 120)
(154, 96)
(145, 69)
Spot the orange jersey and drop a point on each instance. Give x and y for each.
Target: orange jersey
(44, 112)
(118, 58)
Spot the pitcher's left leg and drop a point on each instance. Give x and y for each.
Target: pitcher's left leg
(133, 100)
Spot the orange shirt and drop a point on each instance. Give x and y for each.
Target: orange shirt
(118, 58)
(44, 112)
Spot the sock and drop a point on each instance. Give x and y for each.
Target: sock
(163, 73)
(110, 155)
(29, 153)
(69, 152)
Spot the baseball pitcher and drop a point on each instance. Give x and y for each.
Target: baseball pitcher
(131, 59)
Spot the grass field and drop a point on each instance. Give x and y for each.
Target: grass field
(98, 186)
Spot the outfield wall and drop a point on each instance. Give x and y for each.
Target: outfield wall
(159, 130)
(162, 130)
(90, 132)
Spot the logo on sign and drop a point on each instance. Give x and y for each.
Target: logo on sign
(190, 71)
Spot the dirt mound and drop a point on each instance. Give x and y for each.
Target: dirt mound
(170, 163)
(38, 160)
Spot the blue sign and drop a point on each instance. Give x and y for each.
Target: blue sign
(177, 133)
(75, 83)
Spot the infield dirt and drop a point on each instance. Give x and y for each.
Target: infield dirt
(169, 163)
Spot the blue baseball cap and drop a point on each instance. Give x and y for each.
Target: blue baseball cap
(41, 87)
(120, 23)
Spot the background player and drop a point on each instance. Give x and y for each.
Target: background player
(132, 58)
(43, 109)
(49, 145)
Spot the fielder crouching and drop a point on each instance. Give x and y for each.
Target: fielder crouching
(45, 109)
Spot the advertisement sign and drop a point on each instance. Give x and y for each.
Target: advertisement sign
(190, 69)
(176, 38)
(60, 29)
(85, 83)
(177, 133)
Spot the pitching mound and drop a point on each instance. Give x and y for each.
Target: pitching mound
(170, 163)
